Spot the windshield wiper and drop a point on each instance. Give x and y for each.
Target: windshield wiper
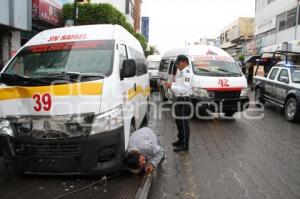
(229, 72)
(211, 73)
(6, 78)
(75, 74)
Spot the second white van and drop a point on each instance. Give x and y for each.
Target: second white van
(218, 83)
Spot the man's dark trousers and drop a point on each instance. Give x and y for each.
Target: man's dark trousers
(183, 109)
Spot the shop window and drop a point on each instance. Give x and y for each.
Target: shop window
(291, 18)
(281, 21)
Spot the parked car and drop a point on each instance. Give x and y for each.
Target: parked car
(281, 87)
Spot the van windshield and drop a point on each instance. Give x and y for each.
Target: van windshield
(153, 65)
(82, 57)
(215, 66)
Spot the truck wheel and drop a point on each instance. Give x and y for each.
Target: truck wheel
(291, 110)
(258, 98)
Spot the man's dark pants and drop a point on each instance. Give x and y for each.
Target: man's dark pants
(183, 110)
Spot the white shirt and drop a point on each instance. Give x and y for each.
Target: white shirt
(182, 87)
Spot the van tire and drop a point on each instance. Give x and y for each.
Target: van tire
(291, 110)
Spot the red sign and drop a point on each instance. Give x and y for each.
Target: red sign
(47, 10)
(65, 46)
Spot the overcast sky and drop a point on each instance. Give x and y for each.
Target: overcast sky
(172, 22)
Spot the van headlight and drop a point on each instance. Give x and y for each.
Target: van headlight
(5, 128)
(199, 92)
(108, 121)
(244, 92)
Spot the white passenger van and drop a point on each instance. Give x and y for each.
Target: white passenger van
(218, 83)
(70, 98)
(153, 62)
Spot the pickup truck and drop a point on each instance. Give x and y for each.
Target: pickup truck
(280, 87)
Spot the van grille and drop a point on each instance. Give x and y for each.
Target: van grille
(42, 149)
(226, 94)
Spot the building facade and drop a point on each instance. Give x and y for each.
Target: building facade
(130, 8)
(15, 15)
(235, 35)
(276, 22)
(204, 41)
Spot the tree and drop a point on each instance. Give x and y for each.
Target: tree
(101, 13)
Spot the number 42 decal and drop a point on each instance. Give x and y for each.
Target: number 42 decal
(42, 101)
(223, 82)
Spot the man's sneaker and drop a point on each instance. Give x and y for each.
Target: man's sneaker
(181, 148)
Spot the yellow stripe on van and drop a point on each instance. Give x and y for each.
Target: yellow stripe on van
(76, 89)
(139, 90)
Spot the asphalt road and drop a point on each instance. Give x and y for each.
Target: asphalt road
(244, 158)
(240, 158)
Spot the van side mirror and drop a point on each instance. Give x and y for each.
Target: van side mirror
(128, 68)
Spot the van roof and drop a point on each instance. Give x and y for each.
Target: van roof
(196, 50)
(86, 32)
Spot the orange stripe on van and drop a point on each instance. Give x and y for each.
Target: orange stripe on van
(76, 89)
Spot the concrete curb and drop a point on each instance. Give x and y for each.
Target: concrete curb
(142, 192)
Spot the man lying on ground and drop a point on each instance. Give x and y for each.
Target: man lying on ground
(144, 151)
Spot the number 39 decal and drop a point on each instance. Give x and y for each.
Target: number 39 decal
(223, 82)
(42, 101)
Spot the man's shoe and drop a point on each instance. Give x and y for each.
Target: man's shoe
(181, 148)
(176, 144)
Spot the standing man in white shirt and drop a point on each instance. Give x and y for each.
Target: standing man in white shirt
(182, 88)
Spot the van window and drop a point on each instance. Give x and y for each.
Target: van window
(122, 54)
(141, 65)
(163, 67)
(153, 65)
(214, 65)
(81, 57)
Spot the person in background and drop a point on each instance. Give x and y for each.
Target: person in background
(144, 151)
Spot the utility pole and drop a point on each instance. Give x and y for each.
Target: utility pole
(75, 12)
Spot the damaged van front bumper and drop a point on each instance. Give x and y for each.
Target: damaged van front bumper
(100, 153)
